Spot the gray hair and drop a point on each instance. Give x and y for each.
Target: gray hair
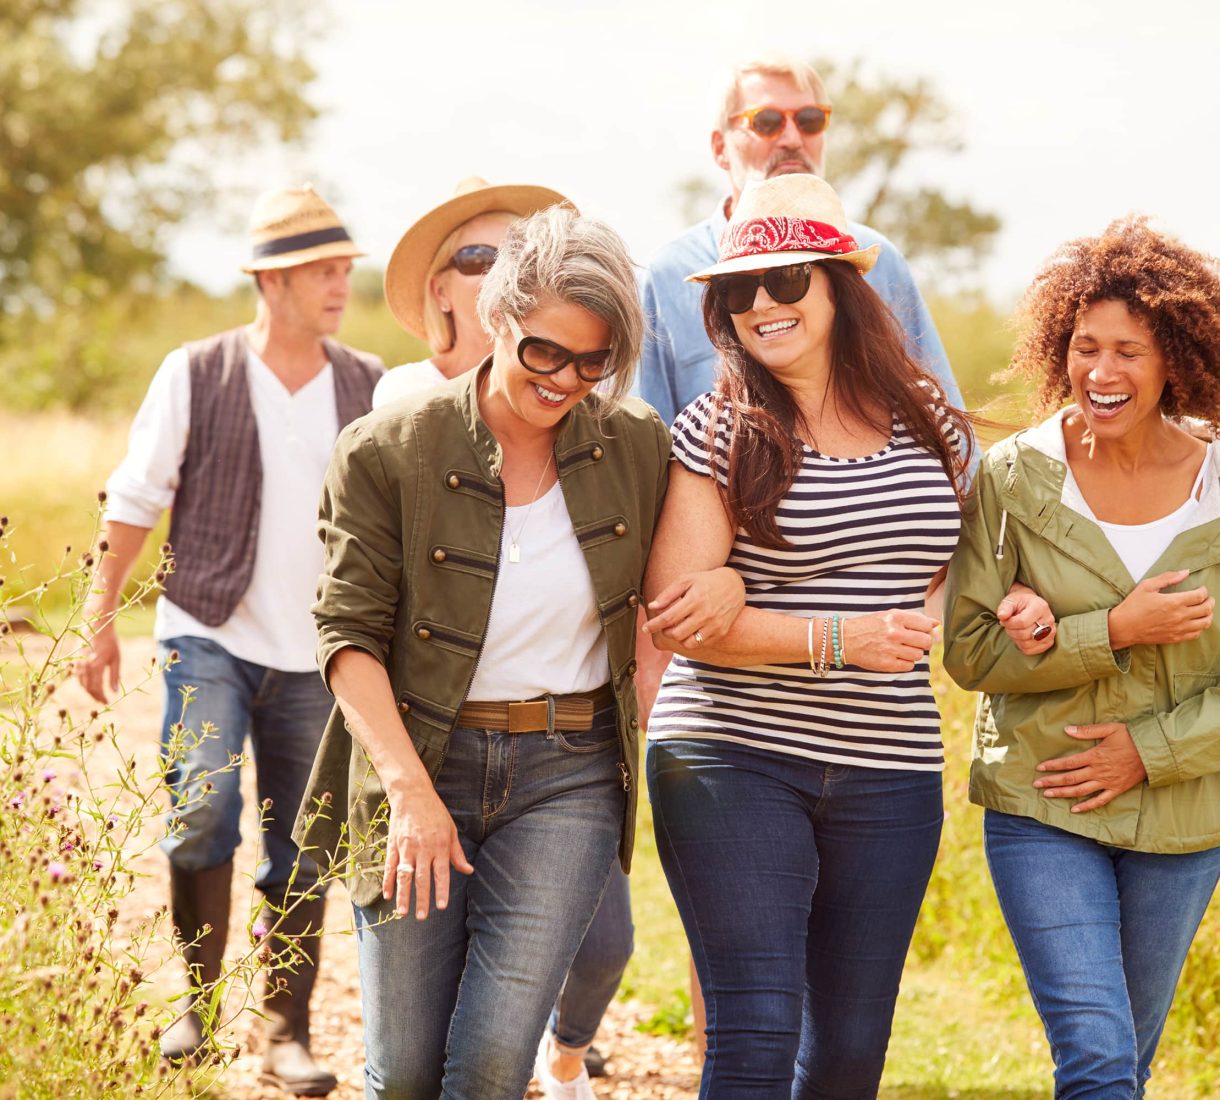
(801, 73)
(557, 255)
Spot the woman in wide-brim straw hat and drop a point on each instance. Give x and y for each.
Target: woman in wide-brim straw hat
(795, 765)
(485, 549)
(434, 273)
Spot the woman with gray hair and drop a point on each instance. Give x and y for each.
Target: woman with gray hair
(485, 544)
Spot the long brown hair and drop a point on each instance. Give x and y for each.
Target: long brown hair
(872, 377)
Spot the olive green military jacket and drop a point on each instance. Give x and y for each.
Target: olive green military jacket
(1025, 523)
(411, 516)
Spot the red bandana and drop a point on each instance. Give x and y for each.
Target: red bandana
(763, 235)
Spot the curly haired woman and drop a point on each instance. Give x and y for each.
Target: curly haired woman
(1097, 750)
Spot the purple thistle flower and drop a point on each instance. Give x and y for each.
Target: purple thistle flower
(57, 871)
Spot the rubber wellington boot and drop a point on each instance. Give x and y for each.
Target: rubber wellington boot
(197, 899)
(287, 1062)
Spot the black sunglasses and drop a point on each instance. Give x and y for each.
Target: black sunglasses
(541, 356)
(473, 259)
(784, 284)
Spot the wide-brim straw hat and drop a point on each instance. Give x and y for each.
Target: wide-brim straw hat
(406, 275)
(295, 226)
(789, 219)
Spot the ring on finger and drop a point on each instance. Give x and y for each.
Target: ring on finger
(404, 869)
(698, 637)
(1040, 631)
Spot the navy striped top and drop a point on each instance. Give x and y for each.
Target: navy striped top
(867, 534)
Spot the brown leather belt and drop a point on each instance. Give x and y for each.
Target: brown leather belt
(572, 713)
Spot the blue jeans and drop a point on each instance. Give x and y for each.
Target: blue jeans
(1102, 934)
(454, 1005)
(798, 884)
(283, 713)
(598, 967)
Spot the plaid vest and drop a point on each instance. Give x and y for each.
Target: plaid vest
(214, 523)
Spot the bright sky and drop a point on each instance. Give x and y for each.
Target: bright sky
(1073, 111)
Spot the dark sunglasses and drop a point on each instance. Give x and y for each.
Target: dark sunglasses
(473, 259)
(541, 356)
(784, 284)
(768, 122)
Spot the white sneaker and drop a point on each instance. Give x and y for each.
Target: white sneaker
(578, 1088)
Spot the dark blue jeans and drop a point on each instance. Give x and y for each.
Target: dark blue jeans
(799, 884)
(283, 714)
(598, 967)
(454, 1005)
(1102, 934)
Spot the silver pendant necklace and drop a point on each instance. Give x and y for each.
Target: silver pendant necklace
(514, 537)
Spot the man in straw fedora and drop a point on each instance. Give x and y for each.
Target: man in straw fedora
(235, 434)
(773, 120)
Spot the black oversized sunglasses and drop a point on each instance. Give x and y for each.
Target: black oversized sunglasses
(473, 259)
(785, 285)
(541, 356)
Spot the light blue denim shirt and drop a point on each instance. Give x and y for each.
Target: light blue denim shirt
(679, 362)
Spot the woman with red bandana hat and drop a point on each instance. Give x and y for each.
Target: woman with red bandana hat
(794, 763)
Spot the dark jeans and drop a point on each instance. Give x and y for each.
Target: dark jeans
(1102, 934)
(799, 884)
(598, 967)
(454, 1005)
(283, 714)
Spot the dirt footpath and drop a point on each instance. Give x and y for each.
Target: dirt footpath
(643, 1067)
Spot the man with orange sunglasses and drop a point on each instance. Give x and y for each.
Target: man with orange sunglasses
(773, 121)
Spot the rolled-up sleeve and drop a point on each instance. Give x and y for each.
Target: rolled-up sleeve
(361, 526)
(145, 482)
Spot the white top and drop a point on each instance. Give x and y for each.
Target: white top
(404, 380)
(1139, 545)
(544, 634)
(865, 534)
(272, 625)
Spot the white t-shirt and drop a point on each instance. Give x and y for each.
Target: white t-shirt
(544, 634)
(406, 379)
(272, 624)
(1139, 545)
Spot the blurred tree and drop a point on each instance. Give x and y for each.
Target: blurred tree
(879, 128)
(112, 114)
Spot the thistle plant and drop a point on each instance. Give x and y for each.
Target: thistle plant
(80, 814)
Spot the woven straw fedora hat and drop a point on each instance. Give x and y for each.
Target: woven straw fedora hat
(295, 226)
(788, 219)
(406, 274)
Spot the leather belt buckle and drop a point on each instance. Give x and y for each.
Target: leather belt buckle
(528, 717)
